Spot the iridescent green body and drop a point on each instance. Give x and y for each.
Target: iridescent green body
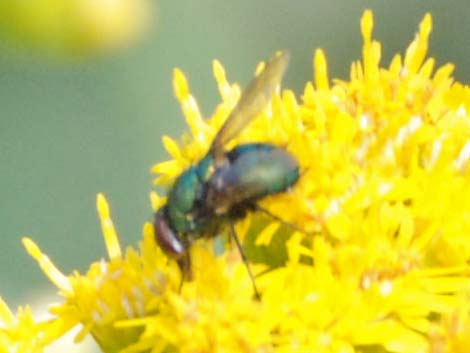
(204, 194)
(186, 195)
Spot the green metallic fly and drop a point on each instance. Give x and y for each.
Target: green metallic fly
(224, 185)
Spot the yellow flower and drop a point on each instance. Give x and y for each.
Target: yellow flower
(126, 286)
(385, 164)
(22, 333)
(451, 333)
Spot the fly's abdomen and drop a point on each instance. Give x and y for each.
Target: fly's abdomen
(253, 171)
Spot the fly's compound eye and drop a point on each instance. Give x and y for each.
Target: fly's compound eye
(166, 238)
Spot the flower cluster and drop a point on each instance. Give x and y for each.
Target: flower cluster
(377, 255)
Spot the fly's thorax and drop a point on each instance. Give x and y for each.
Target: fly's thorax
(205, 168)
(185, 203)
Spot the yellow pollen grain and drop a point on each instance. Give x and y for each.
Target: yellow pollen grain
(49, 269)
(110, 237)
(386, 288)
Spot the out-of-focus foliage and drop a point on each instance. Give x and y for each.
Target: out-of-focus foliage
(73, 27)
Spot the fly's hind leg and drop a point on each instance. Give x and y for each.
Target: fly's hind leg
(234, 236)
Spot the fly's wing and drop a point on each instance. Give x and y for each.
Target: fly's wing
(256, 171)
(253, 100)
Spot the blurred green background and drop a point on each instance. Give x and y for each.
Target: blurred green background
(72, 128)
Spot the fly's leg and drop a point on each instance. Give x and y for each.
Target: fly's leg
(234, 236)
(184, 264)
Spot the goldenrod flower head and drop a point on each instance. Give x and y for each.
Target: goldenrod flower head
(385, 164)
(21, 333)
(126, 286)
